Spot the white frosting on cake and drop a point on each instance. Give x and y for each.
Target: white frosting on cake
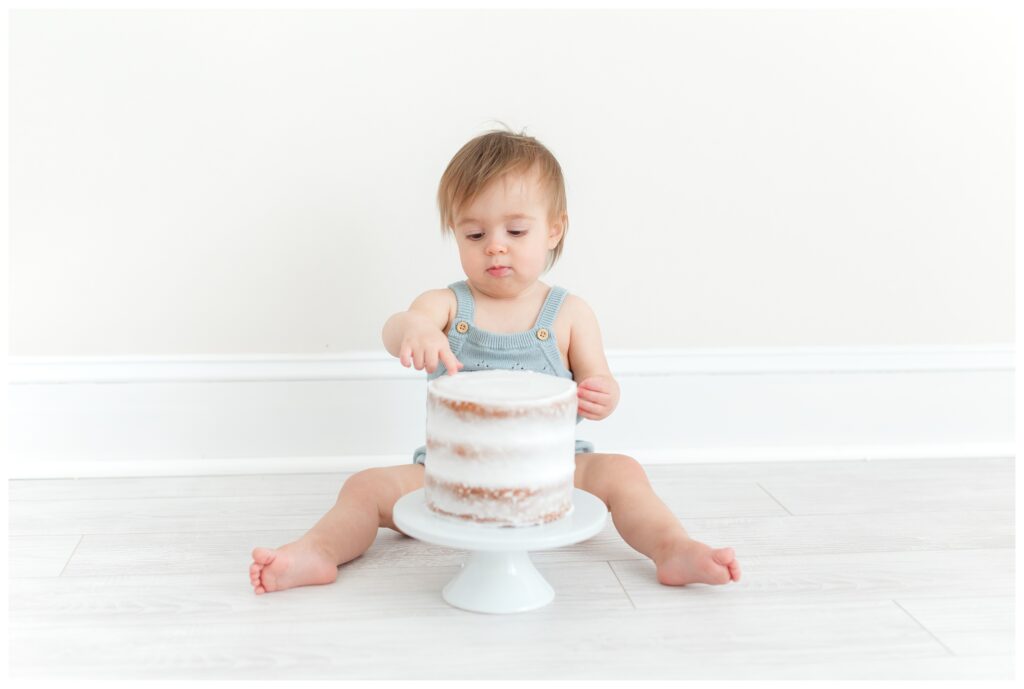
(504, 388)
(501, 430)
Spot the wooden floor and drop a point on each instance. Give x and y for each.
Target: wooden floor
(851, 570)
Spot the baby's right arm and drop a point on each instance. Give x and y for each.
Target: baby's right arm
(417, 336)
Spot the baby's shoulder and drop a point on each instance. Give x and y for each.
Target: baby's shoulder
(438, 304)
(446, 296)
(576, 308)
(575, 318)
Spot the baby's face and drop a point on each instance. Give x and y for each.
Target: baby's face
(506, 225)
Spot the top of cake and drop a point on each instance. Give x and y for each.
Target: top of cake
(501, 387)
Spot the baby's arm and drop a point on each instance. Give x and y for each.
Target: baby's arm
(417, 336)
(598, 392)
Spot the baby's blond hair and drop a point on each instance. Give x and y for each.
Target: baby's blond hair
(491, 155)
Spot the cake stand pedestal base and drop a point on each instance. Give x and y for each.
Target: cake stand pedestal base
(498, 576)
(498, 582)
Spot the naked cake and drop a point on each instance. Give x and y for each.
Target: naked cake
(501, 447)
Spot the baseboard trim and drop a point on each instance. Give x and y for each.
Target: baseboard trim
(367, 365)
(155, 416)
(333, 465)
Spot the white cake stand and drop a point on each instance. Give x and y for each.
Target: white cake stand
(498, 576)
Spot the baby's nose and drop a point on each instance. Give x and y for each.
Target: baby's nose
(496, 248)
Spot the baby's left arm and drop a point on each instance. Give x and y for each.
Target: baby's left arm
(597, 391)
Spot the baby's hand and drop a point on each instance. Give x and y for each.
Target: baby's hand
(595, 398)
(423, 347)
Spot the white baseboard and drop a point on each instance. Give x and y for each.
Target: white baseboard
(145, 416)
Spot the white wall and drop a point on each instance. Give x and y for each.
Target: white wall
(231, 182)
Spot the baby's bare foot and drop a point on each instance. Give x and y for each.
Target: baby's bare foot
(300, 563)
(687, 561)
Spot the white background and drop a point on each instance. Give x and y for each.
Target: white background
(240, 182)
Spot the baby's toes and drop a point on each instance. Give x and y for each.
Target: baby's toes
(720, 575)
(260, 584)
(723, 556)
(727, 557)
(263, 556)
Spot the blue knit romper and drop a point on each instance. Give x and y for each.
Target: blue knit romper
(479, 350)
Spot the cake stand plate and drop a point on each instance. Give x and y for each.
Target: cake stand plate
(498, 576)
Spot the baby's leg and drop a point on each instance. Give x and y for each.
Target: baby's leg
(648, 525)
(344, 533)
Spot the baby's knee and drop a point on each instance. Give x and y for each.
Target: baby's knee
(385, 485)
(366, 483)
(619, 464)
(391, 483)
(601, 474)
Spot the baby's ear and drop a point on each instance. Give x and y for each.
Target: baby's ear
(557, 229)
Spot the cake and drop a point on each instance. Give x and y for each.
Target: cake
(501, 447)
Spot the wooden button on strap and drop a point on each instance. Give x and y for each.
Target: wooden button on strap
(462, 327)
(542, 334)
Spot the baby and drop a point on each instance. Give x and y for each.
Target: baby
(503, 197)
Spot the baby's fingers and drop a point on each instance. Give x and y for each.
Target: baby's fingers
(590, 409)
(588, 394)
(594, 384)
(451, 363)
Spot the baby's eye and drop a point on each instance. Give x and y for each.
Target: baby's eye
(517, 233)
(476, 236)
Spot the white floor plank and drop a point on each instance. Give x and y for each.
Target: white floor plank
(167, 514)
(924, 492)
(227, 552)
(855, 533)
(581, 589)
(39, 556)
(752, 534)
(831, 577)
(855, 470)
(967, 624)
(176, 486)
(851, 570)
(238, 512)
(595, 643)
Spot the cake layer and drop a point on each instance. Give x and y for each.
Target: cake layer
(519, 506)
(495, 395)
(498, 448)
(517, 390)
(501, 465)
(488, 434)
(467, 410)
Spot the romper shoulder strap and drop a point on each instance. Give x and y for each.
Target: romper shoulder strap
(549, 311)
(465, 299)
(463, 314)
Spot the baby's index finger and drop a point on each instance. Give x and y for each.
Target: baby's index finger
(448, 364)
